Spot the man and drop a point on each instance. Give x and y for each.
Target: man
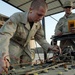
(17, 32)
(62, 25)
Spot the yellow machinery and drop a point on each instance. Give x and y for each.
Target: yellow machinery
(71, 25)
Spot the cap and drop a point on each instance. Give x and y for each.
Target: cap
(67, 3)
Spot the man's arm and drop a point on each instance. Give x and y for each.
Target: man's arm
(39, 37)
(58, 28)
(6, 32)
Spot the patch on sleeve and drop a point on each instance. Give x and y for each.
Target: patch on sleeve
(10, 22)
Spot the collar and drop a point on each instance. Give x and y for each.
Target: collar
(70, 15)
(25, 18)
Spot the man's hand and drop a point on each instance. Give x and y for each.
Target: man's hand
(72, 29)
(53, 49)
(4, 65)
(58, 34)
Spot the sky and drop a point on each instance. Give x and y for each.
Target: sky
(50, 23)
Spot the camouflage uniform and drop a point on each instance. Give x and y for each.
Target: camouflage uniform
(14, 34)
(62, 26)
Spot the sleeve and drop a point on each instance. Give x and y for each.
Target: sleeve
(58, 28)
(6, 32)
(39, 37)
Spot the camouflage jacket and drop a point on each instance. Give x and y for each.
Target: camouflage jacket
(18, 28)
